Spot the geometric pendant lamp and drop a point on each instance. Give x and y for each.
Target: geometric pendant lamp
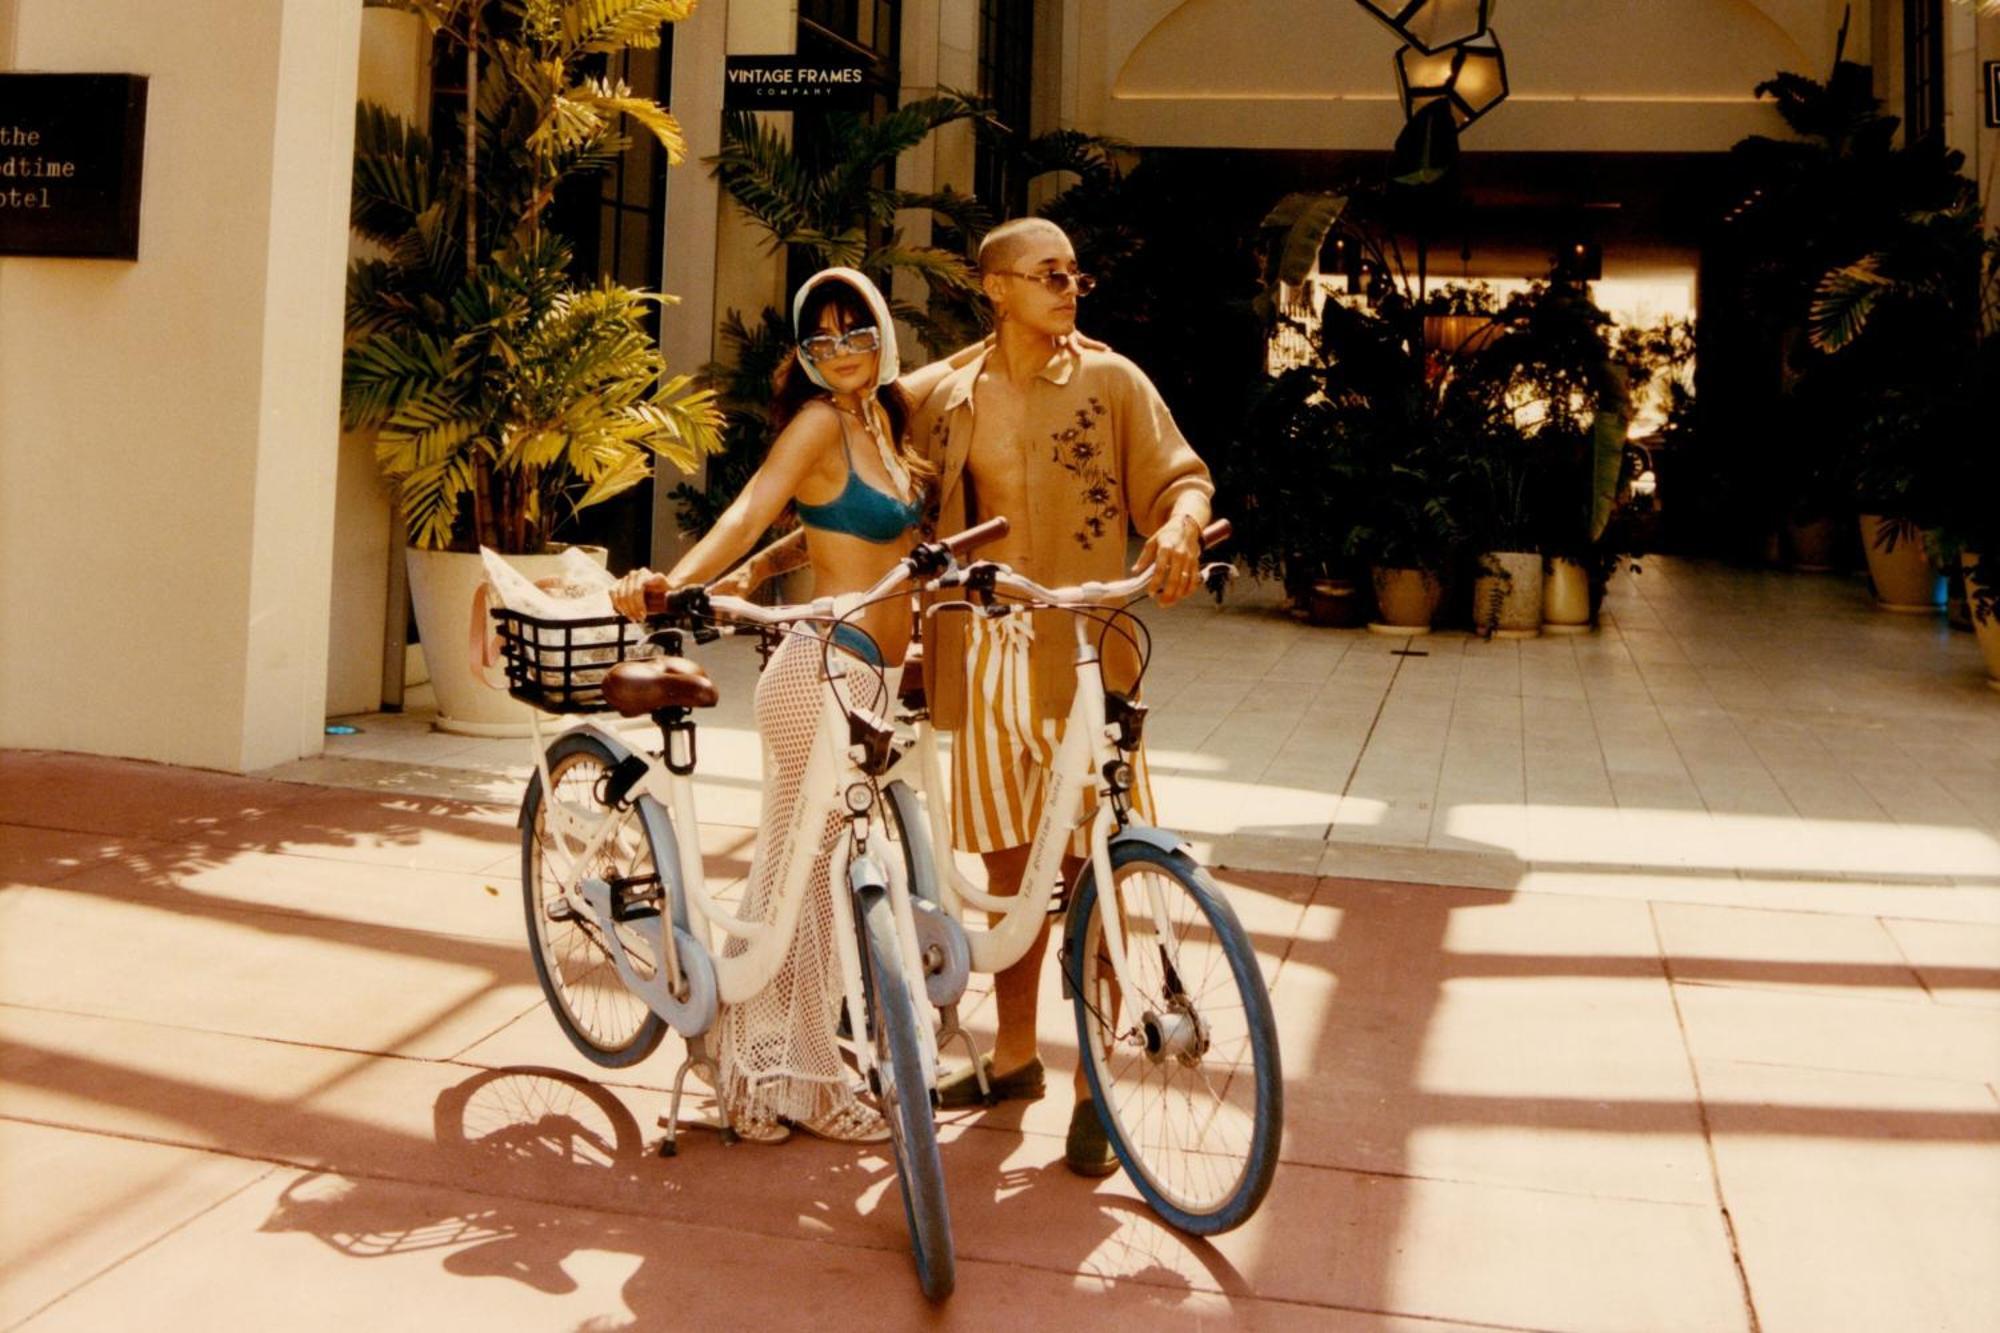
(1433, 25)
(1470, 79)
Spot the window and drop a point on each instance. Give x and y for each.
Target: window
(869, 31)
(1006, 79)
(1923, 70)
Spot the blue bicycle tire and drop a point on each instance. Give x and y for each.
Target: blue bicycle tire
(905, 1098)
(1243, 1191)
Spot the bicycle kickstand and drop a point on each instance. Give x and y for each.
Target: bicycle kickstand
(697, 1059)
(949, 1029)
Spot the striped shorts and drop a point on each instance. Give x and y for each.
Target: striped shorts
(1001, 758)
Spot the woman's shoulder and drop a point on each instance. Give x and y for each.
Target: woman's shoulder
(816, 424)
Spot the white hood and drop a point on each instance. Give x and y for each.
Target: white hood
(886, 365)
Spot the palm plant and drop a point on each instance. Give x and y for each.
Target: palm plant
(506, 397)
(832, 206)
(1925, 308)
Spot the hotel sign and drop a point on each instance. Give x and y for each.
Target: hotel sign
(789, 83)
(71, 150)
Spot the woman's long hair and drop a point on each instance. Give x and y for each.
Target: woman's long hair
(792, 388)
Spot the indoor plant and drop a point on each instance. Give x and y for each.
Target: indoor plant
(504, 394)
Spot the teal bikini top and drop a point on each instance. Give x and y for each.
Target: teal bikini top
(860, 510)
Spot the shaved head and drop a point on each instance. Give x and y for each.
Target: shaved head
(1007, 243)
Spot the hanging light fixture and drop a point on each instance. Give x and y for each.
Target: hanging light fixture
(1433, 25)
(1471, 79)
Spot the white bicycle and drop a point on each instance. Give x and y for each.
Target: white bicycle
(619, 912)
(1174, 1021)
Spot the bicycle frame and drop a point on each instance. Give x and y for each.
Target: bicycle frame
(830, 771)
(1083, 757)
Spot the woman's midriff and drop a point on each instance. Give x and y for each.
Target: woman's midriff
(842, 564)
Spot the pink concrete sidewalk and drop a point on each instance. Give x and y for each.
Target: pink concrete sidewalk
(274, 1058)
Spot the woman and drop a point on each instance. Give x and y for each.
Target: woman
(839, 459)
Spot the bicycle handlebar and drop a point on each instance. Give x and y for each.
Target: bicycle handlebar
(1005, 579)
(693, 602)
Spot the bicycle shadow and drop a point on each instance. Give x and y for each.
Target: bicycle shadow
(538, 1167)
(1040, 1212)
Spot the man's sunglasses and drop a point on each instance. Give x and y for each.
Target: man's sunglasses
(1058, 281)
(827, 346)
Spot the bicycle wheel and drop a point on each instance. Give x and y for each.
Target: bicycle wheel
(1185, 1075)
(904, 1097)
(607, 1022)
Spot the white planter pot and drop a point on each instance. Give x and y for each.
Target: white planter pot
(1507, 594)
(445, 587)
(1565, 598)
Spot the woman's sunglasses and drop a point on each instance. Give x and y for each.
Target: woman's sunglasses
(827, 346)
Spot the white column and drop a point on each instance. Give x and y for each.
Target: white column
(687, 329)
(168, 428)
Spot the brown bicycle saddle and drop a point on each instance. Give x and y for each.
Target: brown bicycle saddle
(650, 684)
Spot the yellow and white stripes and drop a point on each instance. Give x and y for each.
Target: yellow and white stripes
(1001, 758)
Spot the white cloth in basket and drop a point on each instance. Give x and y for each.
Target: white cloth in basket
(580, 591)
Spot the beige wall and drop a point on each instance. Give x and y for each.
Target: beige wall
(168, 440)
(1587, 75)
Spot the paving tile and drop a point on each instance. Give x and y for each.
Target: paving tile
(1843, 1034)
(87, 794)
(1859, 1201)
(1807, 952)
(78, 1204)
(286, 975)
(1958, 962)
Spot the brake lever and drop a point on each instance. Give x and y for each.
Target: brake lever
(1217, 576)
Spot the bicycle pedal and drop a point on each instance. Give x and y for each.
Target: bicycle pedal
(561, 910)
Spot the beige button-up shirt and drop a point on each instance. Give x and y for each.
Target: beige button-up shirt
(1103, 458)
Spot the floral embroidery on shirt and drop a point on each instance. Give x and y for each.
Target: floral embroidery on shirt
(1080, 454)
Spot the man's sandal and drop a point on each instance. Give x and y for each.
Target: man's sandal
(960, 1090)
(1087, 1151)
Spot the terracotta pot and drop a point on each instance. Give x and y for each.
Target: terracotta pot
(1333, 604)
(1565, 597)
(1507, 595)
(445, 587)
(1812, 544)
(1986, 627)
(1406, 599)
(1904, 580)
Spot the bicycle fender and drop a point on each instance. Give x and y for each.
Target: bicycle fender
(1163, 839)
(620, 752)
(666, 843)
(924, 886)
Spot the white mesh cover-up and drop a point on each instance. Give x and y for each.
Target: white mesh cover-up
(778, 1054)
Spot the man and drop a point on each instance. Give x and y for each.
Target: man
(1073, 445)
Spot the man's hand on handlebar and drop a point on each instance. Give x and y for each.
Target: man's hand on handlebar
(1174, 553)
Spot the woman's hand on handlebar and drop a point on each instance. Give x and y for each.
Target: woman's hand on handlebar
(630, 595)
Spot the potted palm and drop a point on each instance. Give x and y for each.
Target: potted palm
(1394, 416)
(1934, 293)
(504, 394)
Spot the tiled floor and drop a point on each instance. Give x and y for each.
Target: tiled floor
(1649, 980)
(1727, 736)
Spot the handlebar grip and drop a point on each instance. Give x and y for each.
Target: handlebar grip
(678, 602)
(992, 530)
(1216, 533)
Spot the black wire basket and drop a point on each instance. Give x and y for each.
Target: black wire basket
(558, 666)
